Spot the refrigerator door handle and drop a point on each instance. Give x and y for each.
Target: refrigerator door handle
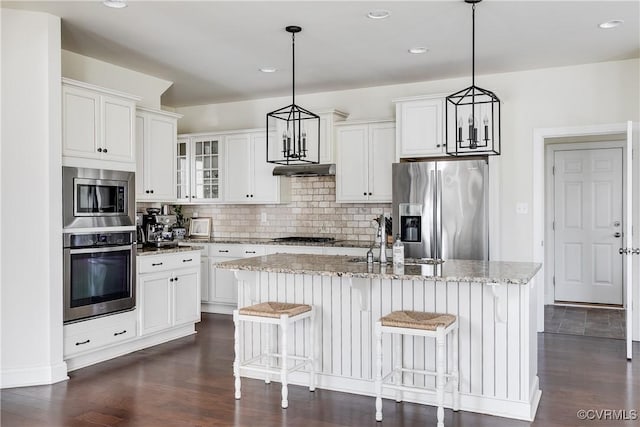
(434, 205)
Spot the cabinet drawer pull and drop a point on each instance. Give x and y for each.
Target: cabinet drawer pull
(223, 250)
(83, 342)
(156, 264)
(249, 252)
(187, 260)
(115, 334)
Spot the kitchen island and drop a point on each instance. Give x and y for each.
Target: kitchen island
(495, 303)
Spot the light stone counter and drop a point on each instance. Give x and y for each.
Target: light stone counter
(162, 251)
(345, 266)
(265, 241)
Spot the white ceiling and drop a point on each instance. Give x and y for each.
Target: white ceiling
(212, 50)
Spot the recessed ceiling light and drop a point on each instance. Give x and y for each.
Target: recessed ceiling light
(611, 24)
(268, 70)
(378, 14)
(418, 50)
(116, 4)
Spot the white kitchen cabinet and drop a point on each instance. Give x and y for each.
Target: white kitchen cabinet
(97, 123)
(169, 296)
(198, 168)
(249, 178)
(100, 332)
(420, 127)
(365, 153)
(156, 133)
(223, 286)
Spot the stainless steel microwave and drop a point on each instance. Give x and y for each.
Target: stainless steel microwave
(97, 198)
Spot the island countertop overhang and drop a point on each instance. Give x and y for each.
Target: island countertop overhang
(344, 266)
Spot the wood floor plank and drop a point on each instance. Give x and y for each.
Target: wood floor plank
(189, 382)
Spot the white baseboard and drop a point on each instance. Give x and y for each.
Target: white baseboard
(212, 307)
(514, 409)
(30, 376)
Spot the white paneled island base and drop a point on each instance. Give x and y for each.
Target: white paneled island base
(497, 336)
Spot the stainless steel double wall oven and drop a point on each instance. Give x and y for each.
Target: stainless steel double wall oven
(99, 242)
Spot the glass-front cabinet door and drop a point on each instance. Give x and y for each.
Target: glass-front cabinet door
(198, 169)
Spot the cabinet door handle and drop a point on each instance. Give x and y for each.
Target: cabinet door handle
(371, 194)
(251, 195)
(151, 191)
(104, 150)
(187, 260)
(147, 191)
(246, 195)
(115, 334)
(223, 250)
(175, 279)
(438, 145)
(156, 264)
(99, 150)
(364, 194)
(171, 279)
(83, 342)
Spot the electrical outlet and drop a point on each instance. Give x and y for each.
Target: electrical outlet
(522, 208)
(263, 218)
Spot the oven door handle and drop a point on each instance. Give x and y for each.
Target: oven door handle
(101, 249)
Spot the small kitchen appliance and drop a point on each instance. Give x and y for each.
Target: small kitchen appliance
(158, 230)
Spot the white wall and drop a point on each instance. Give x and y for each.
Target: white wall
(566, 96)
(100, 73)
(30, 222)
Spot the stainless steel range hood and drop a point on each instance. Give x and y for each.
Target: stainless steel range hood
(305, 170)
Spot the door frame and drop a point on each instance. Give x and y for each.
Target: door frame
(550, 150)
(539, 208)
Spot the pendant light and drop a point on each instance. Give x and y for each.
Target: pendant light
(473, 114)
(288, 127)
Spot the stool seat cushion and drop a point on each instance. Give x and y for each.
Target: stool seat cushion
(275, 309)
(417, 320)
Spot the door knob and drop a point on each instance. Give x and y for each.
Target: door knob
(617, 234)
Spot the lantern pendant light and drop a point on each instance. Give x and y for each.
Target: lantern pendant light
(472, 114)
(288, 127)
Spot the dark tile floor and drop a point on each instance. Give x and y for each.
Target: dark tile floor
(586, 321)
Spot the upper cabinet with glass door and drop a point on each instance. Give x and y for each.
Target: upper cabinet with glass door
(198, 177)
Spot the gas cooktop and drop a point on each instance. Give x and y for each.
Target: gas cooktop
(304, 239)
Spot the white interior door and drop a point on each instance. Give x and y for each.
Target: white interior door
(588, 226)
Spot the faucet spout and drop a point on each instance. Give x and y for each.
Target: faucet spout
(382, 233)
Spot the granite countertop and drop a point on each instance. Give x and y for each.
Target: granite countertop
(265, 241)
(161, 251)
(343, 266)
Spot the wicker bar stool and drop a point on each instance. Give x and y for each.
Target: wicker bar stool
(421, 324)
(281, 315)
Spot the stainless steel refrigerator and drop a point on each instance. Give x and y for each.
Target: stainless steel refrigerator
(440, 208)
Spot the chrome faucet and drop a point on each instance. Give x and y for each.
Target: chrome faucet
(382, 234)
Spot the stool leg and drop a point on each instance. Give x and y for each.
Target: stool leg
(312, 351)
(378, 382)
(267, 350)
(440, 342)
(284, 326)
(455, 372)
(397, 355)
(236, 348)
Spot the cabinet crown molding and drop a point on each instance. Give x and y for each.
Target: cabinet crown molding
(84, 85)
(420, 97)
(363, 122)
(161, 112)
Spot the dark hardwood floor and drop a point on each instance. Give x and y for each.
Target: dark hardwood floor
(189, 382)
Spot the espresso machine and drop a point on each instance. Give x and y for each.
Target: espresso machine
(158, 229)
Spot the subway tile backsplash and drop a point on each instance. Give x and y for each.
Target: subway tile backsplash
(312, 211)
